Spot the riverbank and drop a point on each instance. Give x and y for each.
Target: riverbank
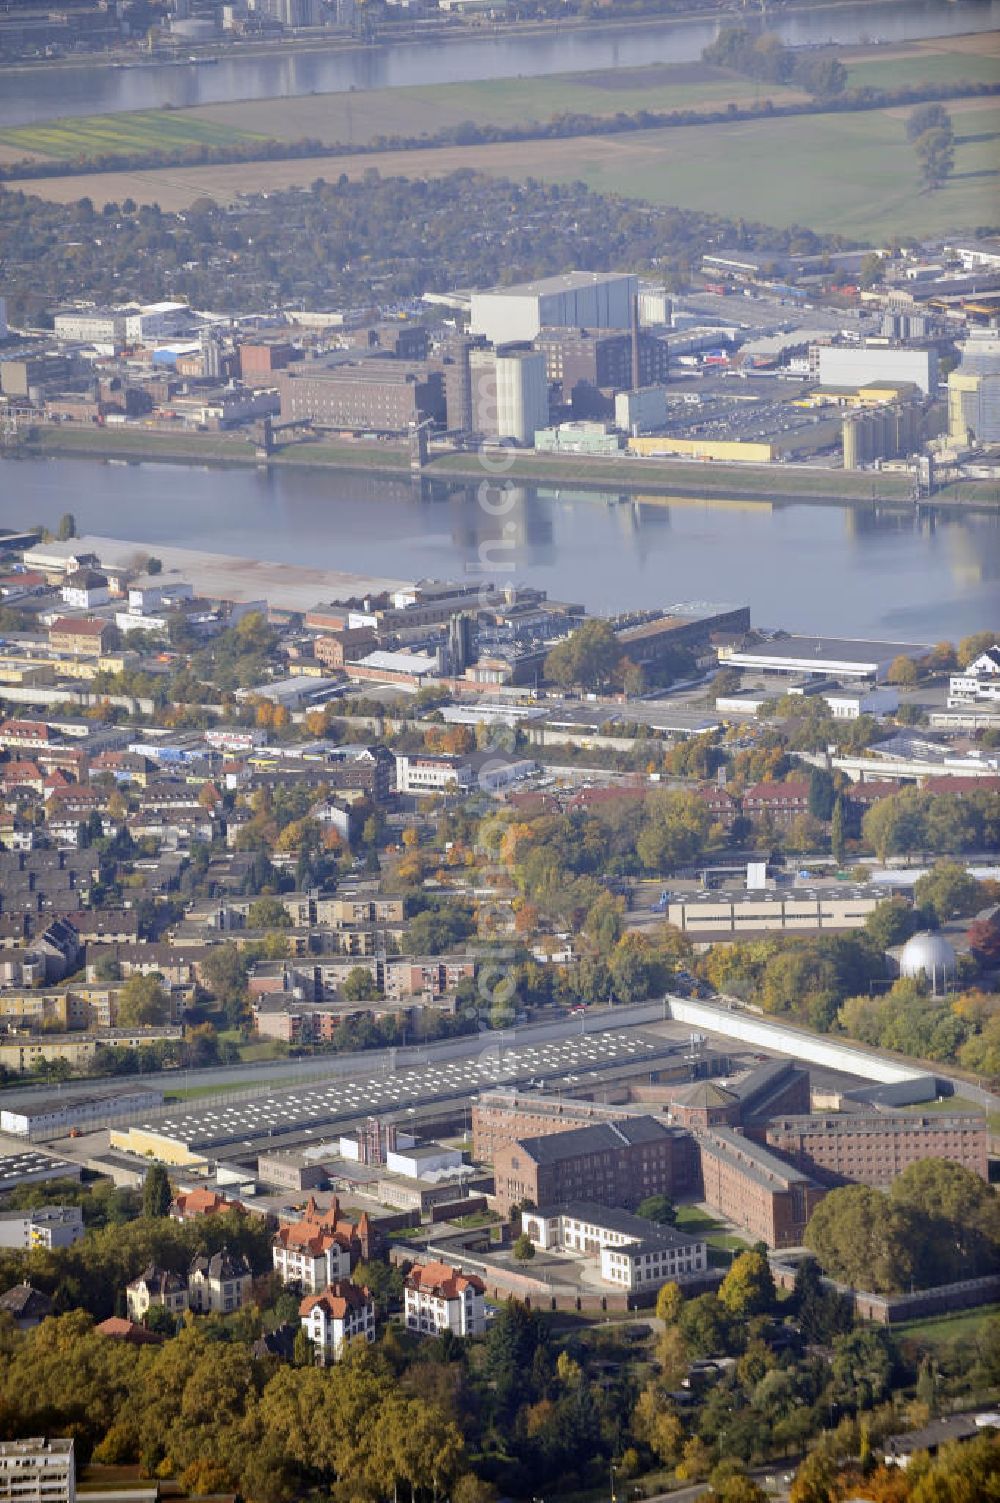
(294, 47)
(638, 479)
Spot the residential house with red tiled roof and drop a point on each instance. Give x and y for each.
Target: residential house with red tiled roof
(201, 1202)
(437, 1297)
(314, 1252)
(339, 1314)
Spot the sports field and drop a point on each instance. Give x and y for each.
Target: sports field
(855, 174)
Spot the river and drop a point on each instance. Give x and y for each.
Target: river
(36, 94)
(841, 570)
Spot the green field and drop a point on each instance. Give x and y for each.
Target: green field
(926, 64)
(361, 117)
(120, 135)
(850, 174)
(942, 1330)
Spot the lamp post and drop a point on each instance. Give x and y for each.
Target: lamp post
(614, 1496)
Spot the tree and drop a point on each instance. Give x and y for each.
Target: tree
(586, 659)
(669, 1303)
(892, 923)
(970, 648)
(67, 527)
(156, 1193)
(958, 1214)
(154, 565)
(935, 151)
(268, 913)
(658, 1208)
(822, 794)
(675, 832)
(704, 1324)
(838, 840)
(862, 1240)
(524, 1248)
(142, 1002)
(360, 985)
(902, 671)
(224, 972)
(948, 891)
(983, 936)
(927, 117)
(748, 1288)
(815, 1481)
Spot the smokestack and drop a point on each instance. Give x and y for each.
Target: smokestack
(635, 343)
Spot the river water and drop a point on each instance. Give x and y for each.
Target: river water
(38, 94)
(841, 570)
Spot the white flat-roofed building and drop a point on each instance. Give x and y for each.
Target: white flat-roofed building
(837, 657)
(439, 1298)
(574, 299)
(851, 704)
(633, 1253)
(427, 772)
(711, 915)
(104, 327)
(864, 365)
(45, 1226)
(423, 1161)
(48, 1117)
(395, 667)
(37, 1471)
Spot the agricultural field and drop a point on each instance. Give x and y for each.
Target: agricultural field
(118, 135)
(357, 118)
(946, 61)
(855, 174)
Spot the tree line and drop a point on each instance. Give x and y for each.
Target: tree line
(564, 125)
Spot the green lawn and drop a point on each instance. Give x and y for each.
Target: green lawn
(698, 1223)
(942, 1330)
(100, 135)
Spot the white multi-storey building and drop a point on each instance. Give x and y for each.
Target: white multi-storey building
(633, 1253)
(221, 1283)
(438, 1298)
(311, 1253)
(46, 1226)
(978, 683)
(339, 1314)
(37, 1471)
(156, 1286)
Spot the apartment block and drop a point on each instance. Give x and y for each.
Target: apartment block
(37, 1471)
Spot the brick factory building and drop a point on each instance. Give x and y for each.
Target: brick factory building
(871, 1148)
(380, 395)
